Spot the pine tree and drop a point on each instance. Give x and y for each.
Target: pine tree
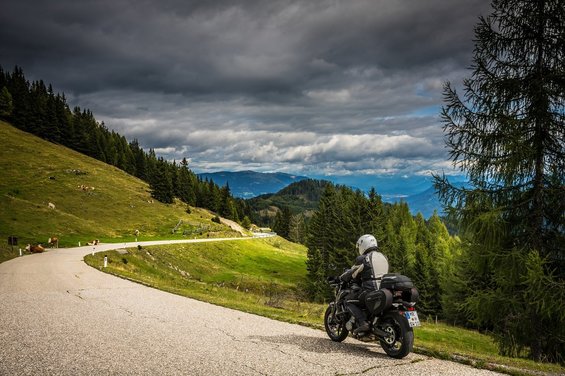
(50, 118)
(6, 103)
(282, 222)
(422, 277)
(356, 218)
(426, 273)
(399, 241)
(63, 114)
(507, 135)
(202, 193)
(126, 158)
(329, 246)
(297, 229)
(161, 184)
(225, 205)
(139, 160)
(246, 223)
(102, 141)
(19, 87)
(214, 197)
(38, 96)
(151, 166)
(375, 216)
(185, 190)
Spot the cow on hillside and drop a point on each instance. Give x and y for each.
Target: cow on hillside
(53, 242)
(35, 248)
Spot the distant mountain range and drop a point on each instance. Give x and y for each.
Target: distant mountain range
(425, 202)
(268, 189)
(248, 184)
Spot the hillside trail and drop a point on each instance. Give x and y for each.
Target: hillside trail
(61, 316)
(234, 226)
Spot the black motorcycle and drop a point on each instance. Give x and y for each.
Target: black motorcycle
(390, 311)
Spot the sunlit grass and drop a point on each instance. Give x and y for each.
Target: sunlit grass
(260, 276)
(449, 342)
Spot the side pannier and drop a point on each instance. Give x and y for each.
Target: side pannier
(378, 300)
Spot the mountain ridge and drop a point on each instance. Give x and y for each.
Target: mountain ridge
(269, 188)
(247, 183)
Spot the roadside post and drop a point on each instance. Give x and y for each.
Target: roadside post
(105, 261)
(12, 241)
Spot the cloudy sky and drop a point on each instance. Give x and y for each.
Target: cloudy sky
(312, 87)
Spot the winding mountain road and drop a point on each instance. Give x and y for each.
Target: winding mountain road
(59, 316)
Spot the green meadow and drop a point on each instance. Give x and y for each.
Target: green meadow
(262, 276)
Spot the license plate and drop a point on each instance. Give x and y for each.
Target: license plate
(413, 319)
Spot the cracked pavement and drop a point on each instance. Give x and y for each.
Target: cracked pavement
(59, 316)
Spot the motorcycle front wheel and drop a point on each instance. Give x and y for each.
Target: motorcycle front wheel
(334, 327)
(400, 341)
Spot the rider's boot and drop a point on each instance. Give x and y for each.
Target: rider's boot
(362, 328)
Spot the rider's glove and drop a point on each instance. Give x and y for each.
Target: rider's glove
(345, 277)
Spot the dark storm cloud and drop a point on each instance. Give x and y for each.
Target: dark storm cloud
(318, 85)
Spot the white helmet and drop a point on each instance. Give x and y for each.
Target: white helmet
(365, 242)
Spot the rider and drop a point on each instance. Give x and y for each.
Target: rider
(368, 270)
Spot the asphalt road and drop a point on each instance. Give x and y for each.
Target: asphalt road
(59, 316)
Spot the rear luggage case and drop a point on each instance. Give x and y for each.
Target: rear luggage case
(396, 282)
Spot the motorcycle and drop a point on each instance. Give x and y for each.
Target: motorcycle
(390, 311)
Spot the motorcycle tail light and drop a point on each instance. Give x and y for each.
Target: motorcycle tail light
(411, 308)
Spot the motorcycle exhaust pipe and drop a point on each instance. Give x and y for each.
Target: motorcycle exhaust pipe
(381, 333)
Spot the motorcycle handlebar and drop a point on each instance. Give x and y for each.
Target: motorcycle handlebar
(333, 280)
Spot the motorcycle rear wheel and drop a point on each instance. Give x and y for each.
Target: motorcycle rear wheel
(401, 339)
(335, 328)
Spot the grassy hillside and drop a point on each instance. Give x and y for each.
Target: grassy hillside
(92, 199)
(261, 276)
